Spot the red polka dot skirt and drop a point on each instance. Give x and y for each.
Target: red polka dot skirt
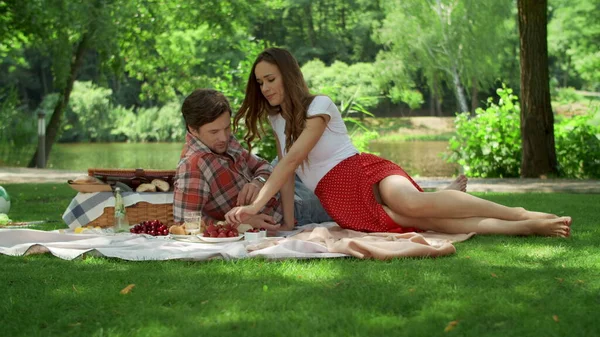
(346, 193)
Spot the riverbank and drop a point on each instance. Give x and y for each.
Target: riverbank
(18, 175)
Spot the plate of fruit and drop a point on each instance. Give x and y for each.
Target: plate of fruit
(220, 232)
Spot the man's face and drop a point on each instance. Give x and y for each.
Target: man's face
(216, 134)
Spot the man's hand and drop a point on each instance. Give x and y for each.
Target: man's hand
(240, 214)
(248, 193)
(263, 221)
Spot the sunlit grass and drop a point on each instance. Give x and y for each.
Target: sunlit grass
(492, 286)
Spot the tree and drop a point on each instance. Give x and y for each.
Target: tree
(153, 41)
(537, 119)
(452, 41)
(574, 41)
(330, 30)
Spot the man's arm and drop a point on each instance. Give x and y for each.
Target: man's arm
(260, 170)
(191, 189)
(258, 166)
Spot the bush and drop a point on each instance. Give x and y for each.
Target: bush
(578, 147)
(88, 116)
(567, 95)
(18, 130)
(489, 144)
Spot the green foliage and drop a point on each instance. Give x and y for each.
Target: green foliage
(489, 144)
(155, 124)
(412, 98)
(573, 39)
(92, 116)
(89, 116)
(444, 41)
(330, 30)
(18, 129)
(578, 147)
(341, 80)
(360, 134)
(567, 95)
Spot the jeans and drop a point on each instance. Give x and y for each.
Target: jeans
(307, 207)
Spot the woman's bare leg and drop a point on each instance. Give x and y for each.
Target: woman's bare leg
(399, 194)
(545, 227)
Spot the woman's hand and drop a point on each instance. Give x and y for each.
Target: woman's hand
(263, 221)
(238, 215)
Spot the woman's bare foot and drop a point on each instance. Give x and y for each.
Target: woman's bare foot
(550, 227)
(531, 215)
(459, 184)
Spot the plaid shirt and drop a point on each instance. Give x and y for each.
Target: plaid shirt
(211, 182)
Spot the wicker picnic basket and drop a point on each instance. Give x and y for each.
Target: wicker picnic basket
(131, 177)
(142, 210)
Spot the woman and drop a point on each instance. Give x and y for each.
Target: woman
(360, 191)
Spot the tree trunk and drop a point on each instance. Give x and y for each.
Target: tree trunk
(431, 104)
(459, 91)
(311, 28)
(63, 101)
(537, 120)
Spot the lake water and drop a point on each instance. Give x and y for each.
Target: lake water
(418, 158)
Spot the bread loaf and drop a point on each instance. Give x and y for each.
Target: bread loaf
(146, 188)
(87, 180)
(161, 185)
(177, 230)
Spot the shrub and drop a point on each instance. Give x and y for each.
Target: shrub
(489, 144)
(18, 130)
(567, 95)
(578, 147)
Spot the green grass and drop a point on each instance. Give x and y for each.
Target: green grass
(493, 286)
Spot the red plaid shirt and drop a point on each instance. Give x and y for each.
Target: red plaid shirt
(211, 182)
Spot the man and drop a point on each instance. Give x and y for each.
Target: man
(216, 173)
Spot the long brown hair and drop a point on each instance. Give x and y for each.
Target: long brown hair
(297, 98)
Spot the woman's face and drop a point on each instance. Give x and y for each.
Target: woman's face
(270, 82)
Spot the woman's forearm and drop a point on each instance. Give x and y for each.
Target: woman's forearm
(283, 171)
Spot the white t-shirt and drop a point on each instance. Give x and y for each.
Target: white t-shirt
(333, 147)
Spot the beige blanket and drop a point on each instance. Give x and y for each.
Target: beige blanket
(381, 246)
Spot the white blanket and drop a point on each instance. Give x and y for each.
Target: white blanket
(321, 243)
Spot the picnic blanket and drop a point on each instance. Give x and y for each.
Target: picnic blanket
(329, 241)
(87, 207)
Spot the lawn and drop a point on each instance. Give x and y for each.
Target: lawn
(492, 286)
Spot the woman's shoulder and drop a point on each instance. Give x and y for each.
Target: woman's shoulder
(321, 104)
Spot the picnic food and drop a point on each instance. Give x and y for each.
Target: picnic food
(242, 228)
(161, 185)
(146, 188)
(220, 230)
(87, 180)
(256, 230)
(178, 230)
(152, 227)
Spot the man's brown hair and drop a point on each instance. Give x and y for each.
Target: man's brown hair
(204, 106)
